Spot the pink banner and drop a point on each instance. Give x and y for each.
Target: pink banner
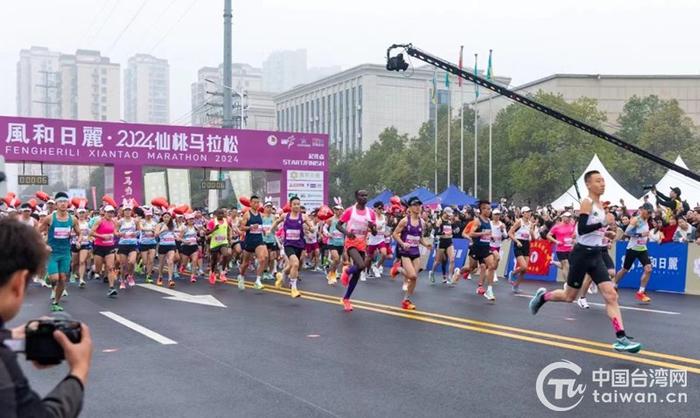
(128, 147)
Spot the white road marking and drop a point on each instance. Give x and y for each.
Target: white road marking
(138, 328)
(208, 300)
(632, 308)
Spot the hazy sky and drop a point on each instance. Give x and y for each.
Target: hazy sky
(530, 39)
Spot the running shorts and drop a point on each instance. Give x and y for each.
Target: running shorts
(608, 260)
(290, 251)
(74, 248)
(272, 246)
(127, 249)
(188, 250)
(632, 255)
(523, 251)
(147, 247)
(371, 249)
(164, 249)
(445, 243)
(311, 247)
(586, 260)
(479, 253)
(563, 255)
(59, 263)
(103, 251)
(338, 248)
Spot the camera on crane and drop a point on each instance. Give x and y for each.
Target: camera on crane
(396, 63)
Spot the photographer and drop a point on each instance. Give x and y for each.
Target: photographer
(673, 202)
(22, 254)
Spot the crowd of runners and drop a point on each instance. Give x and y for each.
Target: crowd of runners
(119, 245)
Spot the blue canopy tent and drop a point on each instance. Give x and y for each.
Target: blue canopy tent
(423, 194)
(453, 196)
(381, 197)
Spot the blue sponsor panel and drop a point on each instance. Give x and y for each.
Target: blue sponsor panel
(461, 251)
(551, 277)
(669, 263)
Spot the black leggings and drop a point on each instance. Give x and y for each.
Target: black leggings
(358, 264)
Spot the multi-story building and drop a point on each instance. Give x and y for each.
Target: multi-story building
(354, 106)
(283, 70)
(611, 92)
(38, 83)
(257, 111)
(147, 90)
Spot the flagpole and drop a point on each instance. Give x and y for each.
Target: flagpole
(435, 101)
(449, 119)
(476, 128)
(490, 132)
(461, 123)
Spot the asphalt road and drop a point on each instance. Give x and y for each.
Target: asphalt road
(265, 354)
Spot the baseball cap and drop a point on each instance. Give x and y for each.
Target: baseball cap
(448, 210)
(414, 200)
(109, 208)
(50, 202)
(525, 209)
(677, 190)
(567, 214)
(189, 216)
(496, 212)
(338, 207)
(81, 210)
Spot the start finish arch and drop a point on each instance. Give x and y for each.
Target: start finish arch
(302, 158)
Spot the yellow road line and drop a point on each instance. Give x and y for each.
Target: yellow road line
(515, 334)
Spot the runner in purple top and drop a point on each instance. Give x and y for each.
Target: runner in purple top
(409, 235)
(293, 224)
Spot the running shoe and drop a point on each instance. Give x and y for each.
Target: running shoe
(376, 271)
(72, 278)
(583, 303)
(444, 280)
(149, 279)
(408, 305)
(176, 275)
(159, 282)
(181, 270)
(625, 345)
(53, 294)
(122, 285)
(241, 282)
(347, 307)
(171, 283)
(64, 294)
(331, 277)
(82, 284)
(593, 289)
(345, 277)
(112, 293)
(279, 280)
(495, 279)
(455, 276)
(394, 270)
(431, 276)
(258, 285)
(139, 268)
(130, 281)
(480, 290)
(55, 307)
(363, 276)
(295, 293)
(193, 278)
(537, 300)
(642, 297)
(222, 277)
(467, 275)
(212, 278)
(515, 288)
(510, 278)
(489, 295)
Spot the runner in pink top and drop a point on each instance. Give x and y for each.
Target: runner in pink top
(562, 235)
(355, 223)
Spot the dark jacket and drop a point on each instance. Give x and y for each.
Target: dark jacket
(17, 399)
(674, 204)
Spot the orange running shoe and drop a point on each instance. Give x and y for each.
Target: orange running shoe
(347, 307)
(408, 305)
(642, 297)
(159, 282)
(394, 270)
(171, 283)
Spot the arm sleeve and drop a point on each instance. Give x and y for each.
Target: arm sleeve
(17, 399)
(582, 228)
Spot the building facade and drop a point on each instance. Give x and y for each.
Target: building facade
(147, 90)
(283, 70)
(253, 108)
(611, 92)
(90, 87)
(38, 83)
(354, 106)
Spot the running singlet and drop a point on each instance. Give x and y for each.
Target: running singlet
(220, 235)
(268, 235)
(637, 241)
(523, 233)
(595, 238)
(189, 237)
(294, 231)
(357, 223)
(148, 232)
(411, 235)
(564, 233)
(84, 234)
(381, 229)
(312, 237)
(484, 240)
(59, 234)
(166, 237)
(127, 230)
(498, 233)
(337, 237)
(105, 227)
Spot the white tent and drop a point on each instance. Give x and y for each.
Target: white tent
(613, 191)
(690, 189)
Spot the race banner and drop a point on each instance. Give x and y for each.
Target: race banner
(540, 257)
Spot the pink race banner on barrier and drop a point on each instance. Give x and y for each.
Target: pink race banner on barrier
(129, 147)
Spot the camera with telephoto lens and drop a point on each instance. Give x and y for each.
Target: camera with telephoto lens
(648, 187)
(40, 345)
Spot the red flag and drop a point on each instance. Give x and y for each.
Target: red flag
(540, 257)
(461, 52)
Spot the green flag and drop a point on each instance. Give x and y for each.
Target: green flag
(489, 69)
(476, 73)
(433, 98)
(447, 79)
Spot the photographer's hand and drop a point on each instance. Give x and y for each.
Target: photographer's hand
(78, 355)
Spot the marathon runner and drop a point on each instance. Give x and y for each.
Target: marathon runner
(104, 246)
(166, 233)
(147, 242)
(128, 230)
(638, 233)
(253, 244)
(293, 224)
(445, 249)
(522, 231)
(409, 236)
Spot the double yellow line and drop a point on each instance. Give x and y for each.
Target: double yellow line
(646, 357)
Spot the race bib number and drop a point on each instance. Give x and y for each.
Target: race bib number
(412, 240)
(568, 241)
(149, 234)
(255, 229)
(293, 234)
(486, 237)
(61, 232)
(337, 235)
(641, 241)
(220, 238)
(267, 229)
(447, 230)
